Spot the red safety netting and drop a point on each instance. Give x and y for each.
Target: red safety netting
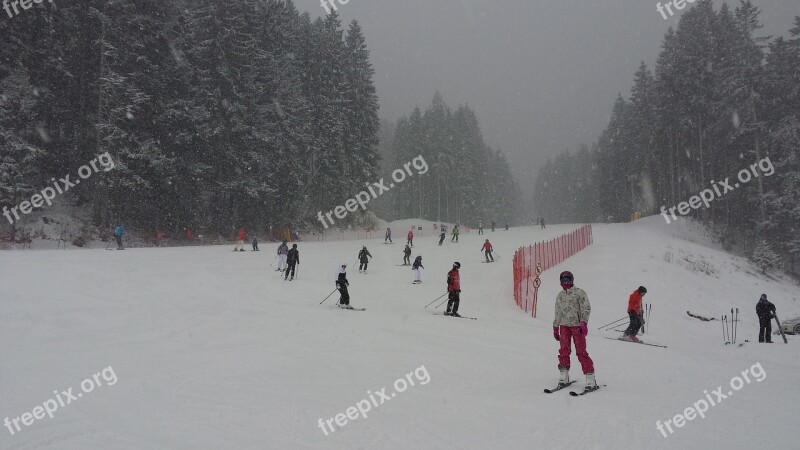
(546, 255)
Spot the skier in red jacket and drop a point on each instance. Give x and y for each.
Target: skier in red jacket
(454, 290)
(635, 313)
(411, 238)
(487, 249)
(240, 245)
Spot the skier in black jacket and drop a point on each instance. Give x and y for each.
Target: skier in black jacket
(292, 259)
(415, 268)
(765, 311)
(407, 255)
(341, 285)
(362, 258)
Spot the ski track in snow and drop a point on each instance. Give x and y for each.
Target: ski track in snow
(213, 349)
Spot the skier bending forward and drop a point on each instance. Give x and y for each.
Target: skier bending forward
(570, 324)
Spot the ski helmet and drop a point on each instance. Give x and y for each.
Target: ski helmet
(567, 280)
(763, 296)
(642, 290)
(457, 265)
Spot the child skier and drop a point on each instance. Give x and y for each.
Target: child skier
(455, 234)
(255, 244)
(416, 267)
(362, 259)
(487, 249)
(570, 324)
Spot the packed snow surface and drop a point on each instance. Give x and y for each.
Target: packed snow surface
(212, 349)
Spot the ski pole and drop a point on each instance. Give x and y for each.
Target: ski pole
(437, 298)
(442, 303)
(323, 300)
(612, 323)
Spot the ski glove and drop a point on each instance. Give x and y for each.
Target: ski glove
(555, 334)
(584, 329)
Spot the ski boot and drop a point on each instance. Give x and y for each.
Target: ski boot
(563, 379)
(591, 383)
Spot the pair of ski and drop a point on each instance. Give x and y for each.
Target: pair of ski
(632, 342)
(459, 317)
(348, 307)
(572, 393)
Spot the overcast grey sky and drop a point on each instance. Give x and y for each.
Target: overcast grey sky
(542, 75)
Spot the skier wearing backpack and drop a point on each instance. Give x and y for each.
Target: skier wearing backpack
(453, 290)
(487, 249)
(570, 325)
(415, 268)
(341, 285)
(283, 250)
(635, 313)
(292, 259)
(407, 256)
(362, 259)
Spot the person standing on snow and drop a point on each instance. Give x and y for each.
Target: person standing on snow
(487, 249)
(493, 225)
(442, 234)
(455, 233)
(415, 268)
(118, 232)
(341, 285)
(362, 259)
(283, 250)
(765, 311)
(407, 256)
(570, 324)
(541, 221)
(453, 290)
(635, 313)
(480, 227)
(255, 244)
(292, 259)
(240, 241)
(410, 238)
(388, 236)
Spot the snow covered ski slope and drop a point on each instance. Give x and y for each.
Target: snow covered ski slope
(211, 349)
